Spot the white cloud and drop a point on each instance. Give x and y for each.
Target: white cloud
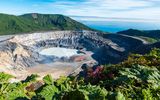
(148, 10)
(143, 9)
(120, 4)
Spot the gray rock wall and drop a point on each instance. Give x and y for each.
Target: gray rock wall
(22, 50)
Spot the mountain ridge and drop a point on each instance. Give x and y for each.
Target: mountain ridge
(146, 33)
(33, 22)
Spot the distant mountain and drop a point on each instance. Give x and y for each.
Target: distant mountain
(10, 24)
(132, 32)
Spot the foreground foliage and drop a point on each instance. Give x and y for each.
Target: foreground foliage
(136, 78)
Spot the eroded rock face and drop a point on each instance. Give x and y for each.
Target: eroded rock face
(17, 56)
(21, 51)
(69, 39)
(89, 40)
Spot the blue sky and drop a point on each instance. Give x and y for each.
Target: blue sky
(124, 10)
(106, 15)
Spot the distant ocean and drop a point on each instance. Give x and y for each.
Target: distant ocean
(115, 26)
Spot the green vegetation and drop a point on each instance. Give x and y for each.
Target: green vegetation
(137, 78)
(10, 24)
(150, 40)
(150, 36)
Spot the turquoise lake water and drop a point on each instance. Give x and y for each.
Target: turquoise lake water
(59, 52)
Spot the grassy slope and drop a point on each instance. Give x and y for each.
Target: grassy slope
(10, 24)
(150, 36)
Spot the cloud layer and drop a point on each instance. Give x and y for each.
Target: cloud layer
(130, 9)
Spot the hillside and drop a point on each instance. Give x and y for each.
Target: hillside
(151, 36)
(137, 78)
(10, 24)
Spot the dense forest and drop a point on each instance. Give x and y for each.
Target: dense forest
(34, 22)
(137, 78)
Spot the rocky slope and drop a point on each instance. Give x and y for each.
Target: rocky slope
(20, 54)
(14, 55)
(70, 39)
(87, 40)
(21, 51)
